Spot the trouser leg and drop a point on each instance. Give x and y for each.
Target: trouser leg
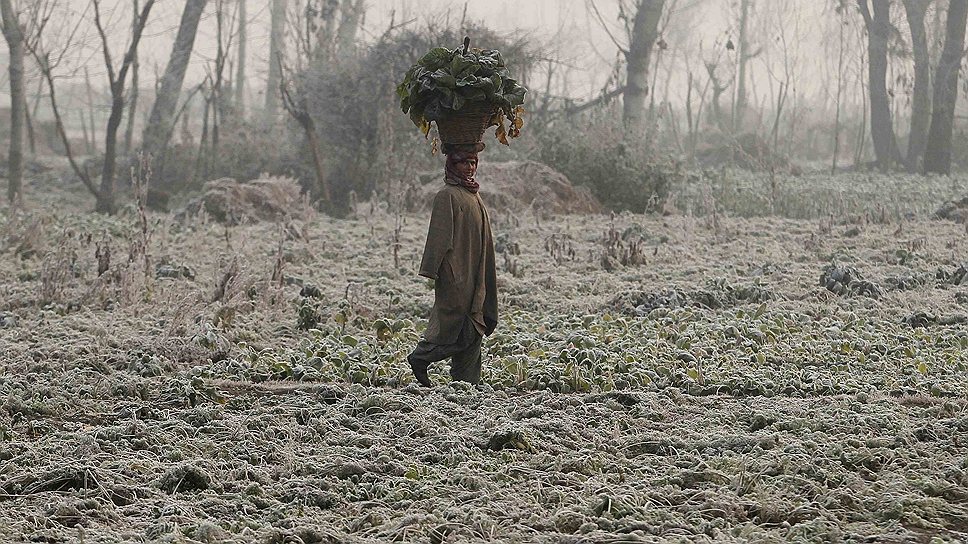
(466, 365)
(465, 354)
(427, 352)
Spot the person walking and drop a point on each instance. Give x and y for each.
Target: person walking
(459, 257)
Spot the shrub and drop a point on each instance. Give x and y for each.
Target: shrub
(246, 149)
(623, 173)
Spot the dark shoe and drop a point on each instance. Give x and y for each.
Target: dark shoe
(420, 372)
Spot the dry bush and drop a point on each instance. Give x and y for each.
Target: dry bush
(23, 234)
(59, 268)
(265, 199)
(246, 150)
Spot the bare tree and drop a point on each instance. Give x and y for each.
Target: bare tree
(215, 103)
(31, 113)
(13, 34)
(719, 88)
(351, 13)
(642, 30)
(133, 95)
(90, 110)
(841, 11)
(694, 115)
(319, 38)
(49, 60)
(916, 11)
(299, 111)
(642, 38)
(937, 157)
(161, 120)
(744, 54)
(878, 26)
(240, 64)
(276, 48)
(116, 80)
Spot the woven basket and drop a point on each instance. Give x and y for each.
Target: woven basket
(466, 126)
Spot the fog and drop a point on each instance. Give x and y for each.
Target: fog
(566, 30)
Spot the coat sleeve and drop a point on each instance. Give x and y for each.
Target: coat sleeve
(440, 238)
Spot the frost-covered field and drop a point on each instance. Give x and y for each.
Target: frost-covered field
(653, 379)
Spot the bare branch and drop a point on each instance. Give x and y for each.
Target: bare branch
(135, 40)
(104, 41)
(592, 103)
(45, 68)
(604, 26)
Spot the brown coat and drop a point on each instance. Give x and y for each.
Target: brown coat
(459, 256)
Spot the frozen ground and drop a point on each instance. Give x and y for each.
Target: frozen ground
(654, 379)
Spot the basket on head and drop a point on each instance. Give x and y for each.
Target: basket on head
(467, 125)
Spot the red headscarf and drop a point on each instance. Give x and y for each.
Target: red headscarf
(453, 177)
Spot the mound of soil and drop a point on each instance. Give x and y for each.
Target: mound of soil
(234, 203)
(954, 210)
(516, 186)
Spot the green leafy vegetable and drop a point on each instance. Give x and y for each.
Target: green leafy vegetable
(444, 81)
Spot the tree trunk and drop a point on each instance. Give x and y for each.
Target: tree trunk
(18, 101)
(155, 137)
(690, 139)
(861, 143)
(105, 195)
(276, 48)
(937, 30)
(921, 99)
(882, 128)
(90, 110)
(31, 135)
(322, 188)
(88, 146)
(319, 46)
(240, 69)
(716, 106)
(744, 56)
(218, 103)
(298, 111)
(840, 93)
(937, 157)
(133, 100)
(203, 139)
(351, 14)
(132, 108)
(644, 33)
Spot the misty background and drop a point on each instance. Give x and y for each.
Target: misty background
(765, 86)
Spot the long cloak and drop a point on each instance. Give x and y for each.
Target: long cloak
(459, 257)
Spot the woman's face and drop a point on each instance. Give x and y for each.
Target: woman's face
(467, 167)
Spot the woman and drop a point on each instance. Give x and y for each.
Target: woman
(459, 257)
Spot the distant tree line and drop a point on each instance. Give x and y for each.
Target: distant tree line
(344, 139)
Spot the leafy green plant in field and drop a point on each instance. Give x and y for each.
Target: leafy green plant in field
(741, 353)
